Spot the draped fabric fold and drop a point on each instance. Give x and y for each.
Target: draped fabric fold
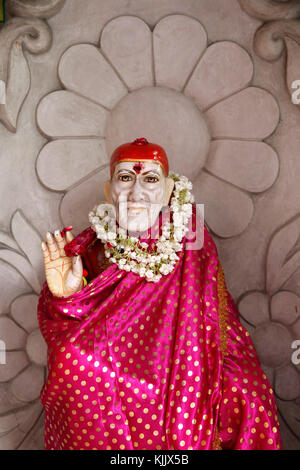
(139, 365)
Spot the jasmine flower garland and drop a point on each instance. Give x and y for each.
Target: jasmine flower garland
(132, 255)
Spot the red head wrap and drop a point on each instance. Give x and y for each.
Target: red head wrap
(140, 151)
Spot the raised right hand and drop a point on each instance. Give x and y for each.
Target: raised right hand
(64, 275)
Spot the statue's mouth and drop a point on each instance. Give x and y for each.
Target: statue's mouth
(136, 209)
(137, 205)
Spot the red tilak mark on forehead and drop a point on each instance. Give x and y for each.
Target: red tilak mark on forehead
(138, 167)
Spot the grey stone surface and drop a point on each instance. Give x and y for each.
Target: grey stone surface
(94, 78)
(178, 43)
(215, 78)
(127, 43)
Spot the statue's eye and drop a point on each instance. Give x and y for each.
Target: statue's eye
(125, 178)
(151, 179)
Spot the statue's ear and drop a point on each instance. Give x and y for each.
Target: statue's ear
(106, 190)
(169, 188)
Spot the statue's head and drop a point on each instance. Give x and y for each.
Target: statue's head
(139, 186)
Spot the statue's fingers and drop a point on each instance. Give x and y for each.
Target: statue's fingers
(77, 267)
(69, 236)
(61, 242)
(52, 247)
(45, 252)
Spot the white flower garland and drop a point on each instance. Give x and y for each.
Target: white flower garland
(132, 255)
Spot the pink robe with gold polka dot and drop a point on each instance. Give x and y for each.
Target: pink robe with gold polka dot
(138, 365)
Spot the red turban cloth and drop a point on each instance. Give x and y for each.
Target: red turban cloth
(142, 151)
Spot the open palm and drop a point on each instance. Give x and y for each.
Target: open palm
(64, 275)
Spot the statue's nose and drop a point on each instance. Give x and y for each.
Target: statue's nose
(136, 193)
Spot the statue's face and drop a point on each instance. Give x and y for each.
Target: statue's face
(138, 192)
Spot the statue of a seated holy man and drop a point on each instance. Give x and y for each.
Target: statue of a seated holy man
(145, 346)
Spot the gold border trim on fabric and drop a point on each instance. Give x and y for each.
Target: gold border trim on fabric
(223, 313)
(223, 318)
(217, 441)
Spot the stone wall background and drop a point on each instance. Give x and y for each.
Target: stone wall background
(232, 117)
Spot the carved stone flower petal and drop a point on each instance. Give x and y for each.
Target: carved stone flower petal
(252, 166)
(36, 348)
(127, 43)
(21, 422)
(85, 196)
(295, 328)
(29, 241)
(215, 78)
(23, 266)
(254, 308)
(15, 337)
(16, 361)
(11, 439)
(86, 157)
(287, 382)
(34, 439)
(65, 114)
(27, 386)
(272, 342)
(95, 78)
(280, 264)
(228, 210)
(7, 423)
(24, 311)
(252, 113)
(178, 43)
(285, 307)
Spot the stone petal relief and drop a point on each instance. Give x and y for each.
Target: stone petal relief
(239, 156)
(23, 374)
(283, 257)
(217, 196)
(291, 412)
(95, 78)
(56, 154)
(252, 113)
(287, 383)
(15, 337)
(178, 44)
(23, 310)
(285, 307)
(18, 429)
(205, 85)
(86, 196)
(27, 259)
(23, 266)
(66, 114)
(127, 43)
(26, 31)
(27, 386)
(34, 439)
(274, 317)
(29, 241)
(280, 31)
